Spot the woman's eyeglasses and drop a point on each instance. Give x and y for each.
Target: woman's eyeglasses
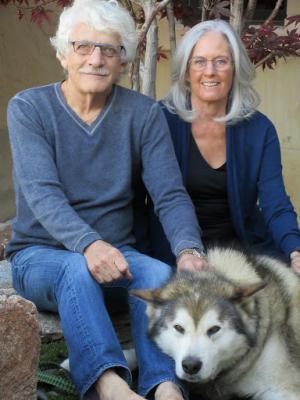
(219, 63)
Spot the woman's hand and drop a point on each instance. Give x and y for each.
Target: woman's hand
(295, 262)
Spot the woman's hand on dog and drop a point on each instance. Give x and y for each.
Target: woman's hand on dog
(295, 262)
(106, 263)
(190, 262)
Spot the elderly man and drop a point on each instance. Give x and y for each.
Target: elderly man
(80, 147)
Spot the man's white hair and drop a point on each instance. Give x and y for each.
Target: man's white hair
(103, 16)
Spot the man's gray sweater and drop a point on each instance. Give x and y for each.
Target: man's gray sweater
(75, 183)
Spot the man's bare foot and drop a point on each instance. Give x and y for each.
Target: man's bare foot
(110, 386)
(168, 391)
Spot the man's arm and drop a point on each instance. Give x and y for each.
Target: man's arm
(163, 181)
(37, 176)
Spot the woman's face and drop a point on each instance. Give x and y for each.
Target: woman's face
(210, 71)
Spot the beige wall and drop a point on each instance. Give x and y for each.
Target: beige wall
(280, 95)
(27, 59)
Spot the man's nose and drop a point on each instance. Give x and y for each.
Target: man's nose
(97, 57)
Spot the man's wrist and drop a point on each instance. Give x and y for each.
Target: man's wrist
(194, 252)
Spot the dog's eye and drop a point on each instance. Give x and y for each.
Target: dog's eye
(214, 329)
(179, 328)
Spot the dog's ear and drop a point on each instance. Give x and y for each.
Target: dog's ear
(149, 295)
(242, 292)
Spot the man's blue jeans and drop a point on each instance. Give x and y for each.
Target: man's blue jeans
(59, 280)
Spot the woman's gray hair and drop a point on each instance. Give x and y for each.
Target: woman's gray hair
(243, 99)
(101, 15)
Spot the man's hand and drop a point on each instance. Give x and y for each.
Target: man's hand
(295, 262)
(190, 262)
(106, 263)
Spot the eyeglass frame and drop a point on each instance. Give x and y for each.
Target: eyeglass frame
(101, 46)
(212, 60)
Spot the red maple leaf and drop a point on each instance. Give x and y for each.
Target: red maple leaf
(39, 15)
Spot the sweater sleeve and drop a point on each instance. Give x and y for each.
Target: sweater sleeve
(37, 177)
(162, 178)
(276, 206)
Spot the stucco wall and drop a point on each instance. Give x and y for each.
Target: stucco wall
(27, 59)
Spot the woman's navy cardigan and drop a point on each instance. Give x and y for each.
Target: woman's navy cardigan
(261, 211)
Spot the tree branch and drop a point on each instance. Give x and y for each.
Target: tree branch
(251, 6)
(236, 18)
(274, 12)
(172, 33)
(260, 62)
(149, 18)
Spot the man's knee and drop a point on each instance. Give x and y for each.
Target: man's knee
(74, 274)
(157, 274)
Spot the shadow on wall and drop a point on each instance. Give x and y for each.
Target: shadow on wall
(7, 196)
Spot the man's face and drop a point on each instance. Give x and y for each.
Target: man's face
(93, 73)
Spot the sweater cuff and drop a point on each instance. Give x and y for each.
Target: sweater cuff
(85, 241)
(290, 244)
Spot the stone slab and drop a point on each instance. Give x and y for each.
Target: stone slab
(19, 348)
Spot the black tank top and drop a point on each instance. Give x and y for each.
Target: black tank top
(208, 189)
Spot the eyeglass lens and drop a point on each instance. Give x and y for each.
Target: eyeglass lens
(219, 63)
(87, 48)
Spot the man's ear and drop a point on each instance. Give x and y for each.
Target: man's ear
(243, 292)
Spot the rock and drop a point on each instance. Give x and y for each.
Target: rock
(5, 235)
(19, 348)
(50, 328)
(5, 277)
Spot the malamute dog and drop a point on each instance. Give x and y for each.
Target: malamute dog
(234, 330)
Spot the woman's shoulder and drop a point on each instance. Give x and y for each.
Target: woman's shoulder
(257, 120)
(171, 115)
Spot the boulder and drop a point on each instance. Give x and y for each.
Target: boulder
(19, 348)
(50, 328)
(5, 235)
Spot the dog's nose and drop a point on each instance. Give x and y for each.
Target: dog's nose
(191, 365)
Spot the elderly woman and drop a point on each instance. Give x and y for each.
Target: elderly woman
(228, 152)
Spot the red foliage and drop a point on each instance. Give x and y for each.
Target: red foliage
(265, 43)
(220, 10)
(39, 15)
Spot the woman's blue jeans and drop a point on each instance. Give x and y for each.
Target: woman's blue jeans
(59, 281)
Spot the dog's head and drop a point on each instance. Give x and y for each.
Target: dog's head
(203, 321)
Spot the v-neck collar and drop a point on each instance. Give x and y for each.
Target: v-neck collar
(89, 129)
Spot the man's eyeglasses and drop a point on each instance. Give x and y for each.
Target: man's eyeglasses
(86, 48)
(219, 63)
